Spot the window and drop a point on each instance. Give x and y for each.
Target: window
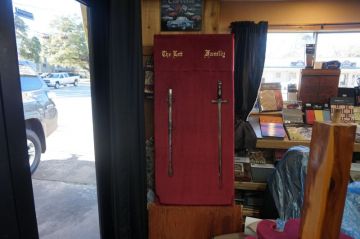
(54, 75)
(285, 56)
(29, 83)
(343, 47)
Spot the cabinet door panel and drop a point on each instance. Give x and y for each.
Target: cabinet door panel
(194, 153)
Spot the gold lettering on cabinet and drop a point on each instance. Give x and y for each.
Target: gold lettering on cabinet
(165, 54)
(177, 54)
(172, 54)
(209, 53)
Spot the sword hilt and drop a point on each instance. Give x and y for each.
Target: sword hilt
(219, 98)
(219, 101)
(219, 89)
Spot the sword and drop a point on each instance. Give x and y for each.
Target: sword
(219, 101)
(170, 103)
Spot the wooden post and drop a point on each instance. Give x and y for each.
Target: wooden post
(211, 16)
(327, 178)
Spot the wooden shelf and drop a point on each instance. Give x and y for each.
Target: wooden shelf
(285, 144)
(266, 113)
(250, 212)
(250, 186)
(279, 144)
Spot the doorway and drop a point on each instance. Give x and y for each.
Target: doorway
(52, 46)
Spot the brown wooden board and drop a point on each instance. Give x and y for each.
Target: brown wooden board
(331, 151)
(193, 222)
(250, 186)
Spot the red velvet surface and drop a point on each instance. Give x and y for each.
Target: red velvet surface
(193, 78)
(266, 230)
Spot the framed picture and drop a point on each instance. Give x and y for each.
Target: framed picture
(181, 15)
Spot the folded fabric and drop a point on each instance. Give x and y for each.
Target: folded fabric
(351, 218)
(266, 230)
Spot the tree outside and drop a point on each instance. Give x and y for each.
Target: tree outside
(64, 46)
(29, 48)
(67, 45)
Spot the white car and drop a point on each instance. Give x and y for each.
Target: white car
(180, 23)
(62, 78)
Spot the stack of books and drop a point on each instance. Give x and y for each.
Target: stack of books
(346, 106)
(299, 132)
(242, 169)
(270, 97)
(317, 112)
(261, 164)
(272, 127)
(292, 113)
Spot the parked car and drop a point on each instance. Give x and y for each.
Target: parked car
(44, 75)
(348, 64)
(62, 78)
(180, 23)
(40, 114)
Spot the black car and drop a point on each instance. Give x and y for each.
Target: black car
(40, 115)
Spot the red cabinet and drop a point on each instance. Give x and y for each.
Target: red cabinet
(194, 119)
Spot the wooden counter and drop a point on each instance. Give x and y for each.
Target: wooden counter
(285, 144)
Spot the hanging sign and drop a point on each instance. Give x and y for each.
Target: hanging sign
(24, 14)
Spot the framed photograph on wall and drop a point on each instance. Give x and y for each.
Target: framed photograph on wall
(181, 15)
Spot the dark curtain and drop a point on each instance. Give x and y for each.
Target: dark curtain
(250, 47)
(118, 116)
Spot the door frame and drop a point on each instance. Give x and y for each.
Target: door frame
(18, 218)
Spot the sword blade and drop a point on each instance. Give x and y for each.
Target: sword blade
(170, 104)
(220, 142)
(219, 101)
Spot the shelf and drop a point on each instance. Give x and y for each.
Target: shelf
(285, 144)
(250, 212)
(250, 186)
(279, 144)
(266, 113)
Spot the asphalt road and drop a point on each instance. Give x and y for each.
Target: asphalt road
(74, 136)
(65, 183)
(82, 90)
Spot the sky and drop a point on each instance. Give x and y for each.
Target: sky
(44, 11)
